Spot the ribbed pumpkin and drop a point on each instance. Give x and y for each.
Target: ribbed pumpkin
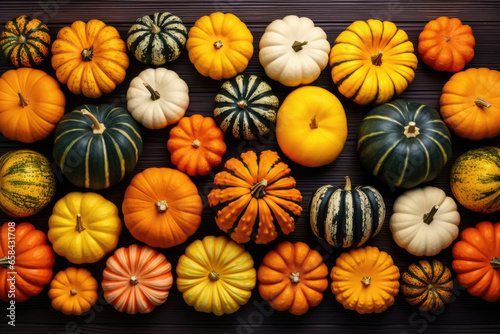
(346, 217)
(25, 41)
(157, 39)
(96, 146)
(246, 107)
(27, 183)
(403, 144)
(255, 198)
(372, 61)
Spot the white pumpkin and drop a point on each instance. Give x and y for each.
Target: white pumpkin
(157, 98)
(293, 51)
(424, 221)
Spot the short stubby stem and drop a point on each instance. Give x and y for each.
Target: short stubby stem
(79, 225)
(21, 39)
(155, 29)
(213, 276)
(314, 123)
(134, 280)
(242, 104)
(366, 280)
(258, 189)
(495, 263)
(429, 217)
(377, 59)
(161, 206)
(87, 54)
(218, 44)
(196, 143)
(411, 130)
(73, 292)
(294, 277)
(297, 46)
(480, 102)
(5, 262)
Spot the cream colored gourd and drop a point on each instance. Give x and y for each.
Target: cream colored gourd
(157, 98)
(293, 51)
(424, 221)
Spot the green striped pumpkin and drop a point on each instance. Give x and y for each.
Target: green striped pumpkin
(27, 182)
(157, 39)
(96, 146)
(246, 107)
(403, 144)
(346, 217)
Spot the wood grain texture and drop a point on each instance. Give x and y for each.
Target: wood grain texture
(466, 314)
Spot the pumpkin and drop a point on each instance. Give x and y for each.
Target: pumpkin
(476, 260)
(311, 128)
(474, 179)
(25, 41)
(215, 275)
(446, 44)
(27, 183)
(470, 103)
(96, 146)
(255, 198)
(424, 221)
(196, 145)
(90, 58)
(84, 227)
(31, 104)
(365, 280)
(136, 279)
(346, 217)
(219, 45)
(73, 291)
(403, 144)
(293, 51)
(293, 277)
(246, 107)
(372, 62)
(157, 39)
(162, 207)
(427, 285)
(26, 257)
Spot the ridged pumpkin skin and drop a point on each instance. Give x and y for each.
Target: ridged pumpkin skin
(365, 280)
(293, 277)
(73, 291)
(474, 179)
(25, 41)
(90, 58)
(470, 103)
(31, 104)
(476, 259)
(162, 207)
(446, 44)
(215, 275)
(34, 259)
(255, 198)
(27, 183)
(220, 45)
(136, 279)
(372, 62)
(246, 107)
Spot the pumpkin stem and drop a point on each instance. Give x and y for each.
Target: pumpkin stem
(161, 206)
(21, 39)
(154, 93)
(347, 183)
(79, 225)
(294, 277)
(196, 143)
(258, 189)
(218, 44)
(411, 130)
(495, 263)
(87, 54)
(447, 39)
(97, 128)
(155, 29)
(428, 217)
(134, 280)
(377, 59)
(297, 46)
(73, 292)
(213, 276)
(242, 104)
(480, 102)
(24, 101)
(314, 123)
(366, 281)
(5, 262)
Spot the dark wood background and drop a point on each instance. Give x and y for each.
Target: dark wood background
(466, 314)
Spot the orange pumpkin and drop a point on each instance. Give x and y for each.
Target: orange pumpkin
(196, 145)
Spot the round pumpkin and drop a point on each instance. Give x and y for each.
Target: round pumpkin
(372, 61)
(246, 107)
(215, 275)
(162, 207)
(136, 279)
(25, 41)
(403, 144)
(27, 183)
(157, 39)
(219, 45)
(255, 198)
(96, 146)
(26, 256)
(293, 277)
(90, 58)
(311, 127)
(346, 217)
(31, 104)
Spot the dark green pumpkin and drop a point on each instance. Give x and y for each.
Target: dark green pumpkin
(246, 107)
(346, 217)
(157, 39)
(96, 146)
(403, 144)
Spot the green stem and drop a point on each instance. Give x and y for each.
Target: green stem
(429, 217)
(154, 93)
(297, 46)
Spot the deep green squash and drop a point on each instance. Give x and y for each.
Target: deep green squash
(346, 217)
(403, 144)
(246, 107)
(157, 39)
(96, 146)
